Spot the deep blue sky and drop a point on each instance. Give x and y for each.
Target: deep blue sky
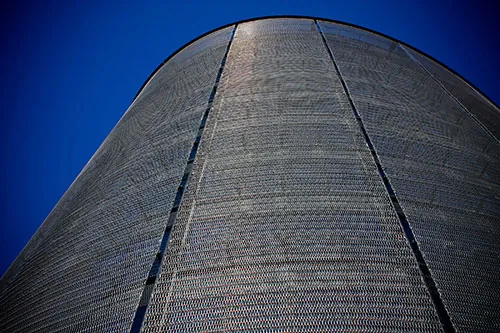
(69, 71)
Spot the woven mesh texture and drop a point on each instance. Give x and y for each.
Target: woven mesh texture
(85, 268)
(442, 165)
(285, 225)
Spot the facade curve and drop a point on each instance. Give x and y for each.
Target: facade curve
(281, 174)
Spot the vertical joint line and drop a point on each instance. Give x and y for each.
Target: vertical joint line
(160, 256)
(463, 107)
(422, 265)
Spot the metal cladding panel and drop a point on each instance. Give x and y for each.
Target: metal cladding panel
(85, 268)
(442, 165)
(285, 224)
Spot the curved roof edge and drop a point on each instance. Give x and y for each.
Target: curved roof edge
(311, 18)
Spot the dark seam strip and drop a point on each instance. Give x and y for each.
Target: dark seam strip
(464, 108)
(424, 269)
(157, 264)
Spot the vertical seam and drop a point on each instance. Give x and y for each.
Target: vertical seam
(422, 265)
(158, 262)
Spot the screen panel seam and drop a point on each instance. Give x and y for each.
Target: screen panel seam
(160, 256)
(422, 265)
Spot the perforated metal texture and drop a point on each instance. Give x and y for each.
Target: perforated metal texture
(442, 165)
(85, 268)
(285, 225)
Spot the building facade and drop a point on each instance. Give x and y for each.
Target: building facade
(284, 175)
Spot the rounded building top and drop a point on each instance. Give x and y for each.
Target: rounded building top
(346, 24)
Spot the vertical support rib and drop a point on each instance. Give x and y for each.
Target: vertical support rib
(463, 107)
(422, 265)
(157, 264)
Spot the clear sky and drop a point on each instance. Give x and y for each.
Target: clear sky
(70, 70)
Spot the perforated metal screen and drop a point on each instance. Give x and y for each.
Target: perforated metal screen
(286, 224)
(326, 152)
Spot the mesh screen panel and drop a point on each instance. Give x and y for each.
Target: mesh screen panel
(285, 225)
(85, 268)
(442, 165)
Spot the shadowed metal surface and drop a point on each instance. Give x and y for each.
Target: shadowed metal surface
(85, 268)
